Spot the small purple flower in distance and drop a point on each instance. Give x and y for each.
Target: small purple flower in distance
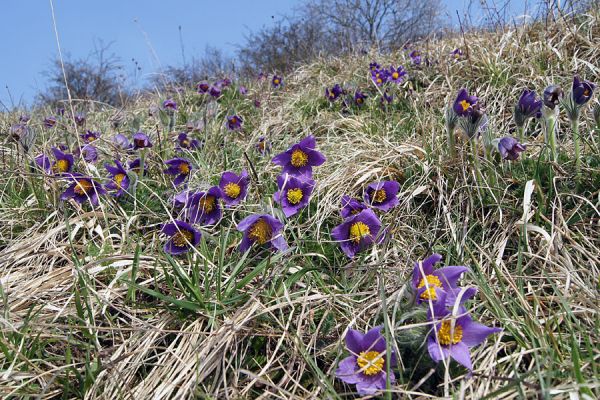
(359, 98)
(358, 232)
(464, 104)
(169, 104)
(397, 75)
(180, 168)
(82, 189)
(294, 194)
(121, 141)
(186, 142)
(374, 66)
(510, 148)
(141, 141)
(88, 152)
(379, 76)
(63, 162)
(183, 237)
(24, 118)
(300, 158)
(582, 91)
(234, 122)
(334, 93)
(277, 81)
(204, 207)
(382, 195)
(351, 206)
(366, 366)
(415, 56)
(234, 188)
(60, 111)
(80, 119)
(257, 103)
(263, 146)
(214, 92)
(203, 87)
(386, 98)
(119, 178)
(90, 136)
(243, 90)
(49, 122)
(456, 53)
(262, 230)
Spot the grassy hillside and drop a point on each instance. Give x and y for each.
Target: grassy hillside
(92, 306)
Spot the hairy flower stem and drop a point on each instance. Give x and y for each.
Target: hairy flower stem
(575, 127)
(551, 138)
(475, 153)
(521, 131)
(451, 142)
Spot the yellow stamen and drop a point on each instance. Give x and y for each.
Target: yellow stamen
(260, 232)
(379, 196)
(83, 187)
(232, 190)
(294, 196)
(358, 230)
(61, 166)
(299, 158)
(432, 283)
(465, 105)
(586, 92)
(119, 179)
(447, 336)
(395, 75)
(182, 238)
(370, 362)
(207, 204)
(184, 168)
(276, 81)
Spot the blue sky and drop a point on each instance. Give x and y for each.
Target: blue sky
(137, 29)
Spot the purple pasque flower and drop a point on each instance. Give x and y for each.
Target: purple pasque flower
(552, 96)
(170, 104)
(243, 90)
(456, 53)
(141, 141)
(416, 57)
(121, 141)
(366, 366)
(186, 142)
(277, 81)
(182, 198)
(203, 87)
(80, 119)
(257, 103)
(397, 75)
(43, 162)
(88, 152)
(300, 158)
(263, 146)
(386, 98)
(359, 98)
(351, 206)
(214, 91)
(234, 122)
(358, 232)
(183, 237)
(333, 93)
(429, 283)
(180, 168)
(453, 336)
(204, 207)
(119, 179)
(374, 65)
(464, 104)
(136, 166)
(262, 230)
(234, 188)
(63, 162)
(294, 194)
(382, 195)
(510, 148)
(89, 136)
(527, 107)
(24, 118)
(582, 90)
(379, 76)
(83, 188)
(50, 122)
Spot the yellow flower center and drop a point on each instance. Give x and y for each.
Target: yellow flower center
(359, 100)
(447, 335)
(260, 232)
(395, 75)
(261, 146)
(465, 105)
(207, 204)
(358, 230)
(184, 168)
(299, 158)
(185, 142)
(83, 186)
(294, 195)
(233, 121)
(232, 190)
(91, 139)
(61, 166)
(119, 179)
(432, 282)
(276, 81)
(182, 238)
(379, 80)
(379, 196)
(370, 362)
(586, 92)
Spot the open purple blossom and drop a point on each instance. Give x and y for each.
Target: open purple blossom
(456, 53)
(82, 189)
(214, 91)
(63, 162)
(453, 336)
(88, 152)
(379, 76)
(300, 158)
(49, 122)
(397, 75)
(90, 136)
(184, 141)
(234, 122)
(373, 66)
(333, 93)
(510, 148)
(415, 57)
(277, 81)
(203, 87)
(351, 206)
(183, 237)
(169, 104)
(80, 119)
(180, 168)
(121, 141)
(527, 107)
(261, 230)
(430, 284)
(119, 182)
(464, 104)
(234, 188)
(382, 195)
(366, 366)
(141, 141)
(204, 207)
(263, 146)
(358, 232)
(359, 98)
(294, 194)
(582, 90)
(43, 162)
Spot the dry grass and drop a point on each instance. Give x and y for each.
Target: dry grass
(218, 325)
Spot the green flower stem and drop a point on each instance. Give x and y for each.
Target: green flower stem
(475, 154)
(451, 142)
(551, 137)
(521, 131)
(575, 127)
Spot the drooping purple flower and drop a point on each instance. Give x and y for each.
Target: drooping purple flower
(453, 336)
(333, 93)
(225, 82)
(186, 142)
(430, 284)
(119, 178)
(215, 92)
(366, 366)
(82, 188)
(386, 98)
(203, 87)
(49, 122)
(88, 152)
(464, 104)
(183, 237)
(80, 119)
(43, 162)
(582, 91)
(90, 136)
(204, 207)
(121, 141)
(180, 168)
(552, 96)
(397, 75)
(234, 188)
(263, 146)
(136, 166)
(358, 232)
(243, 90)
(277, 81)
(257, 103)
(24, 118)
(351, 206)
(141, 141)
(359, 98)
(527, 107)
(382, 195)
(60, 111)
(510, 148)
(262, 230)
(63, 162)
(373, 66)
(300, 158)
(169, 104)
(294, 194)
(415, 56)
(234, 122)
